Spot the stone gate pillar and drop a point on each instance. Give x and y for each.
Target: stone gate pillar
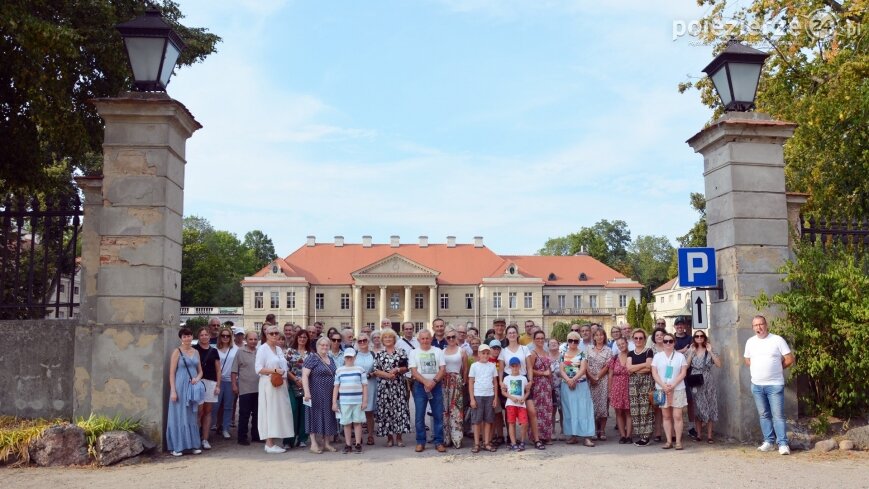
(747, 215)
(131, 260)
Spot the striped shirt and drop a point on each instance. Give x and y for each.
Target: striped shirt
(349, 381)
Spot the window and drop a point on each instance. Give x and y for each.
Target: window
(418, 301)
(592, 301)
(583, 277)
(258, 299)
(561, 301)
(291, 300)
(678, 296)
(496, 300)
(394, 301)
(344, 325)
(469, 301)
(545, 302)
(370, 325)
(445, 301)
(75, 290)
(417, 326)
(577, 301)
(62, 288)
(274, 300)
(623, 301)
(661, 299)
(370, 301)
(512, 301)
(274, 269)
(319, 301)
(345, 301)
(258, 326)
(61, 314)
(529, 302)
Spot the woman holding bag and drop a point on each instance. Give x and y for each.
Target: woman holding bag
(639, 385)
(669, 369)
(275, 416)
(185, 372)
(701, 359)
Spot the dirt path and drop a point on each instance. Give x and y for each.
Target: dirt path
(607, 465)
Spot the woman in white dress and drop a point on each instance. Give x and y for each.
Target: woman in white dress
(275, 416)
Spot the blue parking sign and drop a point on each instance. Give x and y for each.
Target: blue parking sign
(697, 267)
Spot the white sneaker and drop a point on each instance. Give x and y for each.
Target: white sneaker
(766, 447)
(274, 449)
(226, 435)
(196, 451)
(176, 454)
(206, 445)
(784, 450)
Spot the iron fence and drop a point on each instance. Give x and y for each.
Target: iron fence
(852, 234)
(38, 249)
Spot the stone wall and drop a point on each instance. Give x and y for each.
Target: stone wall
(37, 364)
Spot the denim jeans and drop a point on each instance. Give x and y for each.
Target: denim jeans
(420, 399)
(227, 398)
(770, 402)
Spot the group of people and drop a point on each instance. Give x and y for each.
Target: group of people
(301, 387)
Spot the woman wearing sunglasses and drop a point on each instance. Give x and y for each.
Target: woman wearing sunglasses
(701, 358)
(226, 351)
(318, 380)
(335, 349)
(456, 369)
(639, 386)
(669, 369)
(575, 395)
(275, 417)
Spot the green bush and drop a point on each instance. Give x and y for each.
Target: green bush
(195, 324)
(97, 424)
(632, 313)
(561, 328)
(827, 326)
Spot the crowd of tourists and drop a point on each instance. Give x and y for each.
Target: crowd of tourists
(334, 390)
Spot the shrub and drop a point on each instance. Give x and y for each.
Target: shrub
(17, 433)
(97, 424)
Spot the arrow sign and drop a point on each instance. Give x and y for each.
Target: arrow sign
(700, 319)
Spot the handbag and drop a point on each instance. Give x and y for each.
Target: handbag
(695, 380)
(197, 390)
(277, 379)
(659, 397)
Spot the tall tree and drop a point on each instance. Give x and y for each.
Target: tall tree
(213, 264)
(695, 237)
(650, 259)
(817, 76)
(261, 246)
(605, 241)
(56, 56)
(631, 315)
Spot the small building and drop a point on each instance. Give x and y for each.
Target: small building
(672, 301)
(355, 284)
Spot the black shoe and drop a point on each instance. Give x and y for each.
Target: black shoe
(347, 449)
(641, 442)
(243, 441)
(358, 448)
(692, 433)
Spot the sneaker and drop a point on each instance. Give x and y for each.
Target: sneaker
(692, 433)
(358, 448)
(521, 446)
(347, 449)
(226, 435)
(274, 449)
(766, 447)
(303, 444)
(784, 450)
(243, 441)
(641, 442)
(196, 451)
(206, 445)
(175, 454)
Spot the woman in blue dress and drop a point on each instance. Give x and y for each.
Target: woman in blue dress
(318, 379)
(182, 427)
(576, 404)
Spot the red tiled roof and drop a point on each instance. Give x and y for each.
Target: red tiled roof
(464, 264)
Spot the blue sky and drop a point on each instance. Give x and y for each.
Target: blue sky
(514, 120)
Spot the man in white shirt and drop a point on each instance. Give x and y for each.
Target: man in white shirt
(427, 367)
(767, 355)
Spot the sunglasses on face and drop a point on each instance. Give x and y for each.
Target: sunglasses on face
(699, 336)
(574, 330)
(639, 338)
(451, 337)
(225, 336)
(273, 333)
(336, 340)
(362, 341)
(669, 342)
(573, 342)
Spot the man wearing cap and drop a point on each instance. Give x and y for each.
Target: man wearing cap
(238, 336)
(427, 367)
(500, 327)
(683, 336)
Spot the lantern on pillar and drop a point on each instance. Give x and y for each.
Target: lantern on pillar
(735, 73)
(152, 49)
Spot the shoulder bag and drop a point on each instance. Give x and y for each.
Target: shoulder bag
(197, 390)
(692, 379)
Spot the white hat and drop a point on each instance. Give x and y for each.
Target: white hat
(349, 352)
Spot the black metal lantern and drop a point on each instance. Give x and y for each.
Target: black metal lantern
(735, 73)
(152, 48)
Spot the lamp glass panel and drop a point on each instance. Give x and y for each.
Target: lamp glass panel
(744, 77)
(145, 55)
(169, 63)
(719, 79)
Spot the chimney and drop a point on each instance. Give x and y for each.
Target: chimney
(393, 241)
(339, 241)
(423, 241)
(478, 241)
(312, 240)
(451, 241)
(583, 251)
(366, 241)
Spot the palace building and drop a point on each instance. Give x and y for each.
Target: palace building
(355, 284)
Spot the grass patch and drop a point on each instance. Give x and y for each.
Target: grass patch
(97, 424)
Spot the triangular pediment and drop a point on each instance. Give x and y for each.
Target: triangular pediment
(396, 265)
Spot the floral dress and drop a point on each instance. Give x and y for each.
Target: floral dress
(541, 393)
(597, 360)
(392, 415)
(619, 388)
(706, 395)
(639, 386)
(454, 399)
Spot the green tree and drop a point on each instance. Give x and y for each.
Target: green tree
(642, 309)
(695, 237)
(827, 312)
(649, 257)
(817, 76)
(648, 322)
(57, 56)
(261, 246)
(605, 241)
(632, 313)
(213, 264)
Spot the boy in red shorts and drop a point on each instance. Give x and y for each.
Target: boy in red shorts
(516, 388)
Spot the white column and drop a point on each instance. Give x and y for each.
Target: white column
(407, 299)
(357, 308)
(382, 304)
(432, 304)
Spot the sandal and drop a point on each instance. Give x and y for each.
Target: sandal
(666, 446)
(539, 445)
(588, 443)
(490, 448)
(572, 441)
(370, 440)
(389, 442)
(710, 441)
(399, 443)
(602, 436)
(678, 446)
(476, 449)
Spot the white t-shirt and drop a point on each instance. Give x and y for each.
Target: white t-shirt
(521, 353)
(226, 359)
(662, 364)
(484, 375)
(766, 355)
(427, 362)
(515, 387)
